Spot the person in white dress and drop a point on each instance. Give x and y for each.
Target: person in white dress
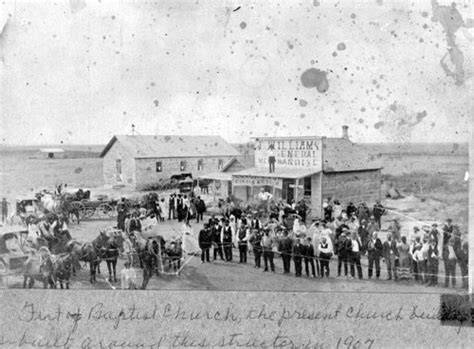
(190, 242)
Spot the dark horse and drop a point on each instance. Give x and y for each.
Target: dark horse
(109, 247)
(85, 252)
(148, 250)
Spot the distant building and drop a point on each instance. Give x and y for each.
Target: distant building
(140, 161)
(52, 153)
(313, 168)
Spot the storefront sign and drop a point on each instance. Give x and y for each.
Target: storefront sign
(289, 153)
(252, 181)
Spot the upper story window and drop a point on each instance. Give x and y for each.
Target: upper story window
(159, 166)
(220, 164)
(200, 165)
(182, 165)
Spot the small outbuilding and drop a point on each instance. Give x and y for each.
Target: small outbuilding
(52, 153)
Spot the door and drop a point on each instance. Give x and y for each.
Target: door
(288, 190)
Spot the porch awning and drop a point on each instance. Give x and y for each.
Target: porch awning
(289, 173)
(218, 176)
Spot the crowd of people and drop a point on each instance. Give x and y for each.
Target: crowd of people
(347, 234)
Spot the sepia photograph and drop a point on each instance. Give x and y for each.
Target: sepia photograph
(235, 146)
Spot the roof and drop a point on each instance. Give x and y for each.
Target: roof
(341, 155)
(173, 146)
(220, 176)
(292, 173)
(52, 150)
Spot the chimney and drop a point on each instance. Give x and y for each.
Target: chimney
(345, 132)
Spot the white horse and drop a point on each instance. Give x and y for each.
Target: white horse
(49, 202)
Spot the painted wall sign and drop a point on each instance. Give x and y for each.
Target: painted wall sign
(257, 181)
(289, 153)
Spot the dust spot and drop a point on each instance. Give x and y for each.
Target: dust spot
(334, 54)
(302, 115)
(362, 109)
(424, 14)
(361, 121)
(167, 138)
(341, 46)
(152, 84)
(303, 103)
(156, 102)
(290, 45)
(243, 25)
(276, 123)
(113, 17)
(353, 16)
(78, 170)
(420, 116)
(316, 3)
(315, 78)
(379, 124)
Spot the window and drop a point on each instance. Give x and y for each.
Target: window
(118, 170)
(307, 186)
(182, 165)
(118, 166)
(200, 165)
(159, 166)
(220, 164)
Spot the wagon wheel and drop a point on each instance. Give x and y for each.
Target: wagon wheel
(79, 206)
(89, 212)
(104, 210)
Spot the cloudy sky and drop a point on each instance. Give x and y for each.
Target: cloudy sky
(79, 71)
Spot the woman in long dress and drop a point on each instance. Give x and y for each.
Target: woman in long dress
(404, 258)
(190, 242)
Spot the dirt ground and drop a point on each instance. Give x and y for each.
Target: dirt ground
(223, 276)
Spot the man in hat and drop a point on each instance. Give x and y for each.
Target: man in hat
(343, 248)
(205, 242)
(267, 245)
(354, 256)
(351, 209)
(378, 211)
(256, 243)
(285, 248)
(297, 252)
(172, 207)
(227, 240)
(121, 214)
(374, 250)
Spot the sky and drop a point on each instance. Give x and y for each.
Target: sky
(80, 71)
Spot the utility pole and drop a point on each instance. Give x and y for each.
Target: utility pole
(471, 211)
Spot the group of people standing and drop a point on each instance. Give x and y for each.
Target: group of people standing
(349, 236)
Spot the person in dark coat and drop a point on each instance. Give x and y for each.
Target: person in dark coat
(135, 223)
(256, 242)
(121, 213)
(354, 255)
(216, 240)
(285, 248)
(309, 257)
(205, 242)
(462, 253)
(227, 241)
(242, 240)
(374, 251)
(171, 207)
(343, 248)
(180, 208)
(297, 253)
(378, 211)
(390, 254)
(200, 209)
(351, 209)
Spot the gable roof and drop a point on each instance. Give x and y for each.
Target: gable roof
(172, 146)
(341, 155)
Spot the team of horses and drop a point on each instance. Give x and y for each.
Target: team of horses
(58, 268)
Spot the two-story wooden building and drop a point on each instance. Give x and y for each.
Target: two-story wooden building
(139, 161)
(311, 167)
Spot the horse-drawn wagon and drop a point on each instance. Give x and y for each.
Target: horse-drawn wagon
(12, 255)
(99, 208)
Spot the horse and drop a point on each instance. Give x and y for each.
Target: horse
(84, 252)
(63, 269)
(109, 247)
(39, 267)
(148, 251)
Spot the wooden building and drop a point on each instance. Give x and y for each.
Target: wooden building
(311, 168)
(140, 161)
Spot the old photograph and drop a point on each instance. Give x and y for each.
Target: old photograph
(235, 145)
